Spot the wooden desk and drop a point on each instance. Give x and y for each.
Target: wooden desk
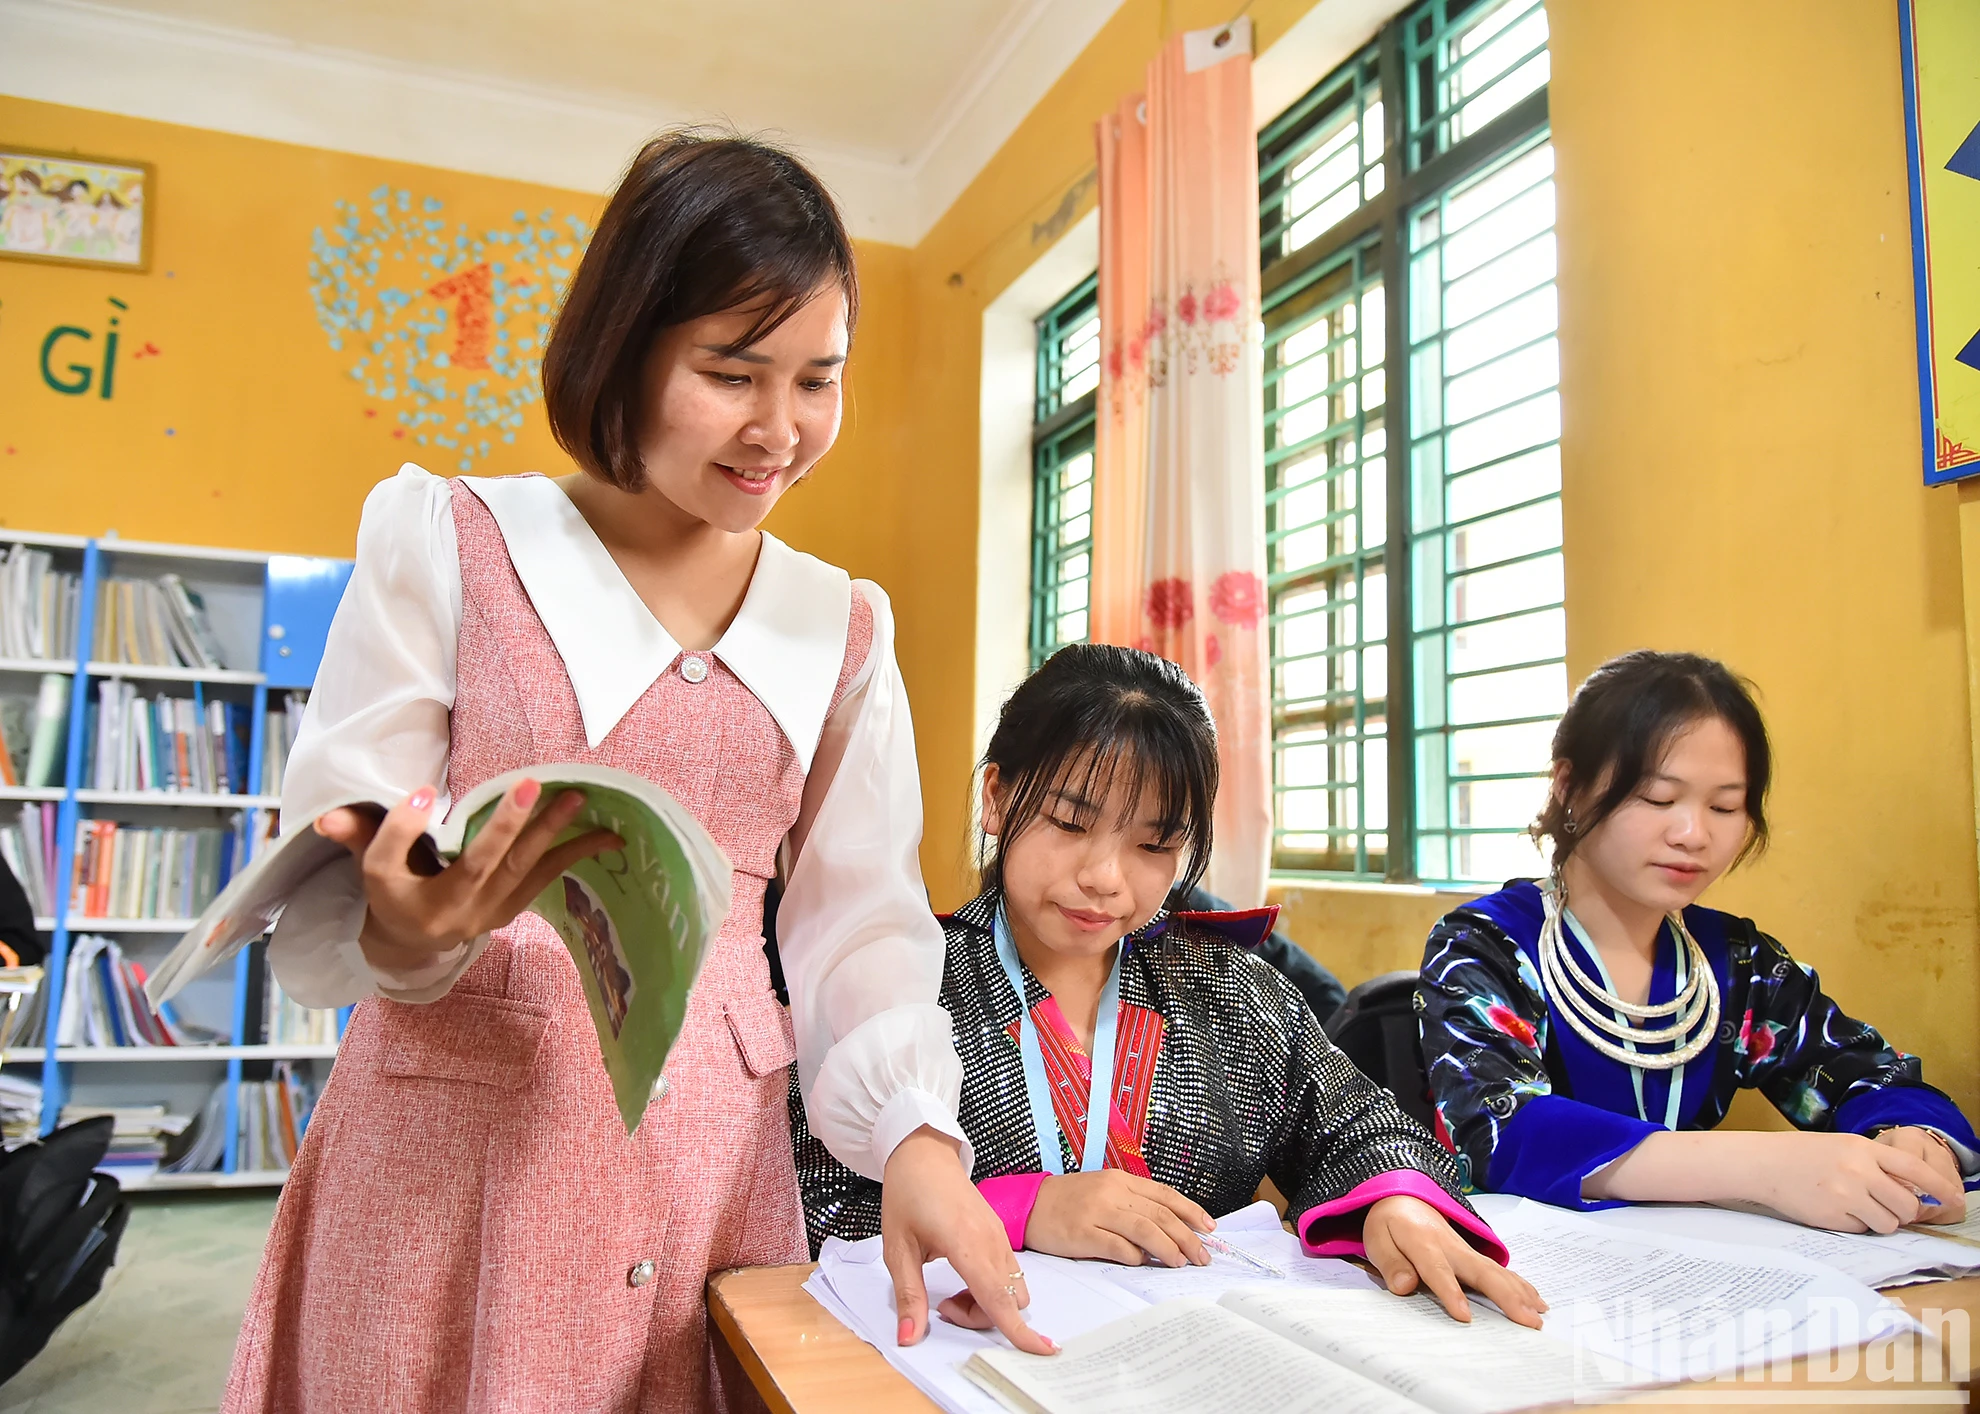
(803, 1361)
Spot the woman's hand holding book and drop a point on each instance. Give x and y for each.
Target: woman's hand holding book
(418, 910)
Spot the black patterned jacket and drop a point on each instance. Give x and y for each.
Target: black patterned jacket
(1245, 1086)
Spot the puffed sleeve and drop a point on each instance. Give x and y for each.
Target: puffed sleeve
(862, 952)
(376, 728)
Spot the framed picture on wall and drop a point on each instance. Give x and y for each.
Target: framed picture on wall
(75, 210)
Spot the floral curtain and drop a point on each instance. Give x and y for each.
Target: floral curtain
(1179, 480)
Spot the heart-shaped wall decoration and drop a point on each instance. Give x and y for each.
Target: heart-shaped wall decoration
(448, 323)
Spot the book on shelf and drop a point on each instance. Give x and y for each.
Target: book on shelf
(287, 1022)
(37, 605)
(273, 1117)
(34, 734)
(28, 846)
(139, 1134)
(137, 872)
(636, 920)
(21, 1006)
(103, 1003)
(20, 1107)
(202, 1146)
(279, 739)
(156, 623)
(166, 743)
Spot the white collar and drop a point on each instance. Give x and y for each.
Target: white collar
(786, 643)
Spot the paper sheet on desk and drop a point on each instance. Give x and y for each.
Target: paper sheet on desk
(1682, 1308)
(1871, 1258)
(1067, 1298)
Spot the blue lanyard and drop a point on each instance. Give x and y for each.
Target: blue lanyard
(1676, 1097)
(1100, 1087)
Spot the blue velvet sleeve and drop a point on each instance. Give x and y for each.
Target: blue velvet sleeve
(1484, 1029)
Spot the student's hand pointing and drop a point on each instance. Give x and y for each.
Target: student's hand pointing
(1412, 1246)
(930, 1209)
(416, 911)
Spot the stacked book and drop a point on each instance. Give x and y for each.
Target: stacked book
(34, 734)
(273, 1114)
(139, 1134)
(37, 605)
(124, 871)
(103, 1003)
(205, 1143)
(28, 847)
(284, 721)
(155, 622)
(290, 1023)
(22, 1006)
(20, 1108)
(166, 743)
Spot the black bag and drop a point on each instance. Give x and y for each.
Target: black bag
(1377, 1029)
(60, 1222)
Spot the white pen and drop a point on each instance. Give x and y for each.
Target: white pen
(1237, 1254)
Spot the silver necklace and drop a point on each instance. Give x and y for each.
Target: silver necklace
(1590, 1008)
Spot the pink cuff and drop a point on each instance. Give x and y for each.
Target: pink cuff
(1011, 1198)
(1334, 1229)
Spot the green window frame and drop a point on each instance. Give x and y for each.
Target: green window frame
(1411, 451)
(1068, 380)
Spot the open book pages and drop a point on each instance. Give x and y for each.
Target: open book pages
(637, 920)
(1628, 1310)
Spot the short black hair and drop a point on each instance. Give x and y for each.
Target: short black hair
(700, 224)
(1622, 721)
(1092, 712)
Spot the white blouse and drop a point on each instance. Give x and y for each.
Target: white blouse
(862, 953)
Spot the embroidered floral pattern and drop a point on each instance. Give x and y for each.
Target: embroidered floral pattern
(1238, 599)
(1484, 1017)
(1222, 303)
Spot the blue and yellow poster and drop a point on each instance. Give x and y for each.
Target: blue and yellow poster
(1941, 44)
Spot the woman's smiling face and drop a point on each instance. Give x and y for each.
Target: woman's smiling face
(727, 430)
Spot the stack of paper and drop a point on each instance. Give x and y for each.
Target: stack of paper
(20, 1108)
(37, 605)
(1281, 1333)
(138, 1135)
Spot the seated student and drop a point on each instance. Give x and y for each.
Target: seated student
(1583, 1034)
(1097, 790)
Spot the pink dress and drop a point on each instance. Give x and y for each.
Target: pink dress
(468, 1226)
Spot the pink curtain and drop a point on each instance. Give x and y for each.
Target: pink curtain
(1179, 479)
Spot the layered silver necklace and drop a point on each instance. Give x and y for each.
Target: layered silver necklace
(1689, 1021)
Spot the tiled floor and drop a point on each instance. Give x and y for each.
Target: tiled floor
(158, 1337)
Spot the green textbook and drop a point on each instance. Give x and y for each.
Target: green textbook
(637, 920)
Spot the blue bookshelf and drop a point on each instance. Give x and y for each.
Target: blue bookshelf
(271, 614)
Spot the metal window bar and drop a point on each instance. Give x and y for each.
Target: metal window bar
(1445, 92)
(1487, 628)
(1068, 378)
(1068, 349)
(1326, 536)
(1467, 62)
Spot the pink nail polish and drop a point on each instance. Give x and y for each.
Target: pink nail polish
(527, 792)
(906, 1335)
(421, 799)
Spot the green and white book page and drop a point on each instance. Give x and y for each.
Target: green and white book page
(637, 920)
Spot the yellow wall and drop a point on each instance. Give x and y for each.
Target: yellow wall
(1739, 443)
(1741, 462)
(246, 427)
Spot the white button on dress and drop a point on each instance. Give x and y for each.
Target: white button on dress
(640, 1275)
(694, 669)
